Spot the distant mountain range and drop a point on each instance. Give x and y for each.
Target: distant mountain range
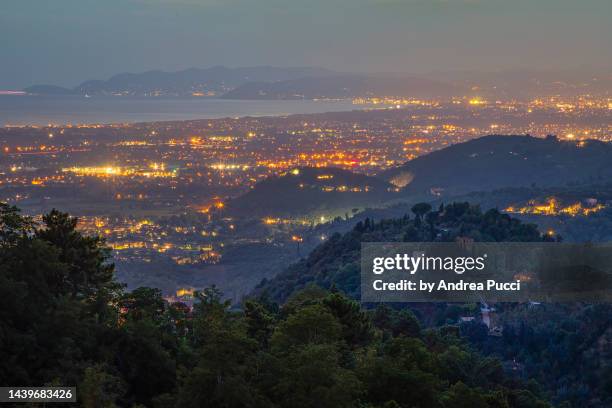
(214, 81)
(255, 83)
(267, 82)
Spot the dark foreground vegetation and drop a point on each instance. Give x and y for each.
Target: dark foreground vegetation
(64, 320)
(566, 348)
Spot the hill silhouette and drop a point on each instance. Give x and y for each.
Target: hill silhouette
(497, 161)
(335, 263)
(218, 79)
(307, 191)
(343, 86)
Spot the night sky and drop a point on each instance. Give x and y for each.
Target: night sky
(64, 42)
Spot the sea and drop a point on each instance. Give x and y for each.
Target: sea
(19, 110)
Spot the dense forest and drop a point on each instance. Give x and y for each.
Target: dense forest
(64, 320)
(567, 348)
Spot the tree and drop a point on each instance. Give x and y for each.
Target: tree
(461, 396)
(313, 324)
(356, 325)
(421, 209)
(13, 226)
(86, 257)
(259, 321)
(311, 377)
(143, 303)
(99, 388)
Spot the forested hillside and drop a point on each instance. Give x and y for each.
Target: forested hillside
(307, 191)
(496, 161)
(566, 348)
(336, 262)
(65, 321)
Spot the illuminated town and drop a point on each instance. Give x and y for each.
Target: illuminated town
(552, 207)
(160, 189)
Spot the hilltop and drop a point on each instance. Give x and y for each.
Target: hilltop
(498, 161)
(336, 262)
(485, 164)
(312, 191)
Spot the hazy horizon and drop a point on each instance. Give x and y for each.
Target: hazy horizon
(66, 42)
(576, 73)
